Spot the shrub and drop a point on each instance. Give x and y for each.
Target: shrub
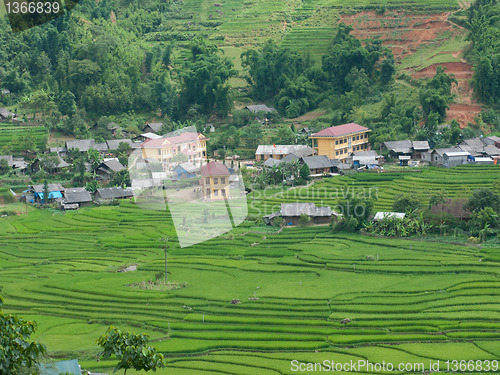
(304, 219)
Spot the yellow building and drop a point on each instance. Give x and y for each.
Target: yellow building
(193, 145)
(338, 142)
(215, 181)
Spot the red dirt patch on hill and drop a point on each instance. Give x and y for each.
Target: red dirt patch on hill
(463, 113)
(459, 69)
(404, 33)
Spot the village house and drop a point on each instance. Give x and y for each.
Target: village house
(78, 196)
(338, 142)
(215, 181)
(291, 212)
(185, 170)
(265, 152)
(192, 145)
(106, 169)
(318, 165)
(399, 148)
(82, 145)
(437, 154)
(61, 151)
(6, 114)
(452, 159)
(454, 207)
(106, 194)
(36, 193)
(154, 127)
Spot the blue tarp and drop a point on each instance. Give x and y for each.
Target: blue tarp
(52, 194)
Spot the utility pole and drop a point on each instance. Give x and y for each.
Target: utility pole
(165, 247)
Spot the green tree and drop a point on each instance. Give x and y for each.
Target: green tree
(94, 157)
(304, 172)
(67, 104)
(46, 192)
(482, 198)
(406, 202)
(4, 166)
(204, 81)
(16, 352)
(284, 136)
(131, 350)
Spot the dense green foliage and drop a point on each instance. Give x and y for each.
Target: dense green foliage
(349, 73)
(131, 350)
(485, 36)
(16, 353)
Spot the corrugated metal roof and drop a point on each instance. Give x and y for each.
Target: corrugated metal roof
(77, 196)
(114, 143)
(188, 167)
(182, 138)
(114, 192)
(441, 151)
(82, 144)
(112, 164)
(52, 187)
(421, 145)
(456, 154)
(156, 126)
(318, 161)
(280, 149)
(258, 108)
(404, 147)
(272, 162)
(336, 131)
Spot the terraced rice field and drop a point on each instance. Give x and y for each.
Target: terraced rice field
(10, 132)
(418, 302)
(456, 182)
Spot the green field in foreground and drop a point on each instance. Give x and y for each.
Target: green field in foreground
(419, 302)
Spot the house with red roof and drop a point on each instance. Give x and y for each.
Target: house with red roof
(337, 142)
(215, 181)
(192, 145)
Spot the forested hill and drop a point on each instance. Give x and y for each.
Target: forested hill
(192, 60)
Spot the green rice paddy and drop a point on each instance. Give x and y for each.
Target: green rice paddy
(419, 302)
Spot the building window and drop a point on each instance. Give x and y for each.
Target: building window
(216, 193)
(223, 192)
(207, 180)
(159, 152)
(216, 180)
(208, 193)
(357, 138)
(336, 142)
(353, 138)
(341, 141)
(357, 148)
(223, 181)
(337, 153)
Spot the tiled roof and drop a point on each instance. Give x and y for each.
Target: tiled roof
(183, 138)
(336, 131)
(214, 169)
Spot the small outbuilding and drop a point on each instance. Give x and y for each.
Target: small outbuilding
(452, 159)
(78, 196)
(291, 212)
(104, 194)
